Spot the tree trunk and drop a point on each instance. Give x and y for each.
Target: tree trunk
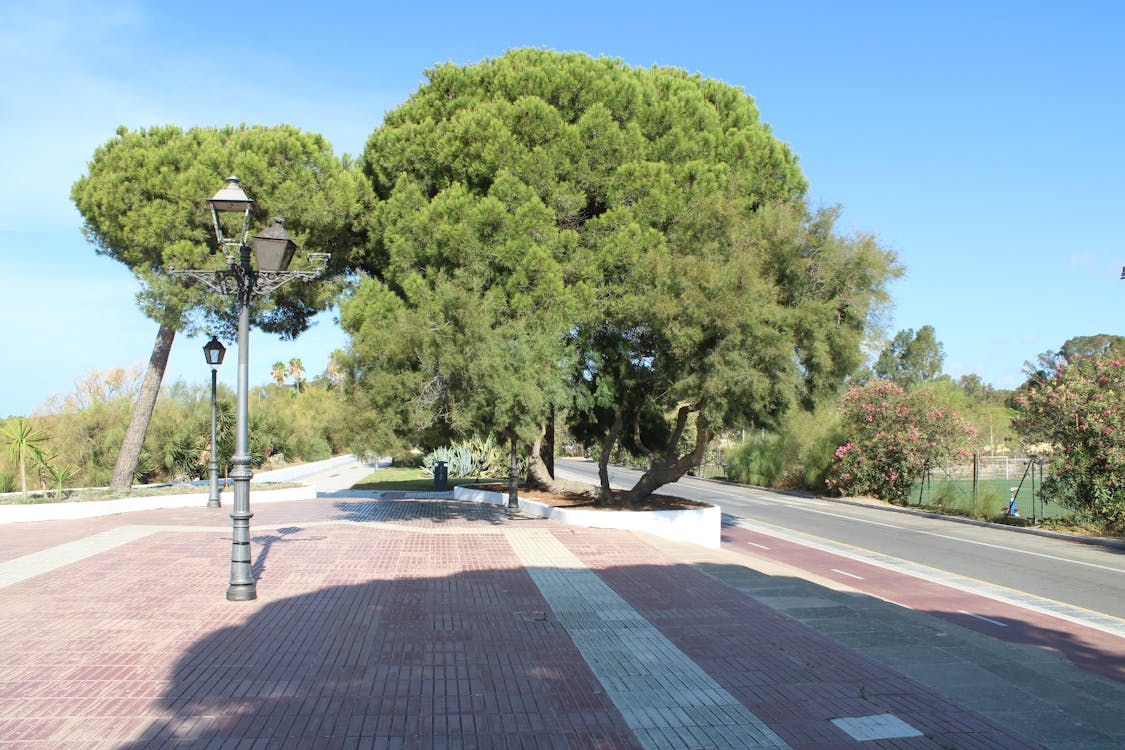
(546, 451)
(142, 412)
(605, 495)
(671, 468)
(23, 471)
(539, 475)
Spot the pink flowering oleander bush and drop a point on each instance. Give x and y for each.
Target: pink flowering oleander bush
(1080, 413)
(893, 437)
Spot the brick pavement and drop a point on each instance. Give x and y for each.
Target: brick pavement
(419, 624)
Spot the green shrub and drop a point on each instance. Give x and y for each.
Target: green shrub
(893, 436)
(762, 460)
(818, 455)
(1080, 412)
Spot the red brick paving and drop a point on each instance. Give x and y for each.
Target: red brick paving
(370, 636)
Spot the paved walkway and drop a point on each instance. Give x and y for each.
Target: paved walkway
(428, 623)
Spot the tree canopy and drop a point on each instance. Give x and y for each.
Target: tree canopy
(144, 204)
(630, 244)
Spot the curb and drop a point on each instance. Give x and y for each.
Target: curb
(702, 526)
(65, 511)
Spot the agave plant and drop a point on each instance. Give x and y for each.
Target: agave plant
(430, 460)
(489, 460)
(458, 458)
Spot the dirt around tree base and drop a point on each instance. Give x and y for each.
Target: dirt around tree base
(586, 497)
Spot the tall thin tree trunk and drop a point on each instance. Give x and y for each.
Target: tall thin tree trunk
(23, 472)
(142, 412)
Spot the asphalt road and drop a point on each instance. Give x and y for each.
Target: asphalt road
(1080, 581)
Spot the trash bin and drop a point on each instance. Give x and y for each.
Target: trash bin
(441, 476)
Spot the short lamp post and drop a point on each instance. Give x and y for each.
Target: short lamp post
(213, 352)
(273, 250)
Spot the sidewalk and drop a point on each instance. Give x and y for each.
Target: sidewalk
(428, 623)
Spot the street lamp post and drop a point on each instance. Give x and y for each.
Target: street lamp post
(273, 250)
(213, 352)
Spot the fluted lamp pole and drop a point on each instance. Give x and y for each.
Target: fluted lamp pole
(213, 352)
(273, 250)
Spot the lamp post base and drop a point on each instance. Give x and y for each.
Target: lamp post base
(242, 586)
(242, 592)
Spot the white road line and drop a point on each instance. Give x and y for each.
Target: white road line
(846, 573)
(1078, 615)
(982, 617)
(759, 546)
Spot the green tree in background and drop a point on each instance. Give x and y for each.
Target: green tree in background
(1047, 364)
(632, 244)
(911, 358)
(143, 202)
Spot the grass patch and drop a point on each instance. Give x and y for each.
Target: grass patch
(407, 479)
(955, 496)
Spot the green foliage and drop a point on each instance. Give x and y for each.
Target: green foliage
(88, 423)
(894, 436)
(83, 428)
(800, 455)
(60, 474)
(981, 407)
(458, 461)
(630, 244)
(476, 457)
(818, 451)
(7, 482)
(143, 202)
(1080, 413)
(1048, 363)
(911, 358)
(762, 460)
(23, 442)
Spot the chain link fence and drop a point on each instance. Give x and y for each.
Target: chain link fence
(989, 487)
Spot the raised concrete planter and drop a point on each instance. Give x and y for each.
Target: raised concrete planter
(700, 526)
(92, 508)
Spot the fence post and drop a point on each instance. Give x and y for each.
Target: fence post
(976, 472)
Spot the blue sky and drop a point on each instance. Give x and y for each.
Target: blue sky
(982, 141)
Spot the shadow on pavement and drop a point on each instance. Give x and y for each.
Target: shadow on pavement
(478, 659)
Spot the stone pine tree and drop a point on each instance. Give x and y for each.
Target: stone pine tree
(630, 245)
(143, 202)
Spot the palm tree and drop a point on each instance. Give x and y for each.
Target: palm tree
(296, 370)
(334, 371)
(278, 372)
(22, 439)
(59, 473)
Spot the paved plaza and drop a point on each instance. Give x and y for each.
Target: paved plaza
(400, 622)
